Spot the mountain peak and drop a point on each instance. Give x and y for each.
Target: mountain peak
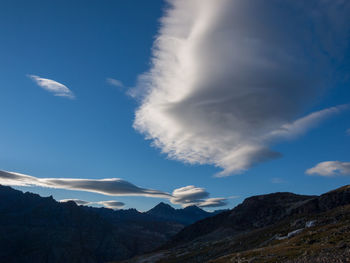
(161, 208)
(164, 204)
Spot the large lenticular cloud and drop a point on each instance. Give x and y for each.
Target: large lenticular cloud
(185, 196)
(228, 77)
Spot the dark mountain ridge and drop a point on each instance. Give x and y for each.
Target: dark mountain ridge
(254, 212)
(267, 228)
(263, 210)
(40, 229)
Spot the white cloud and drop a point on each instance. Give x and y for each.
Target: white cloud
(185, 196)
(301, 125)
(188, 195)
(212, 202)
(53, 86)
(110, 186)
(192, 195)
(330, 168)
(227, 80)
(115, 82)
(112, 204)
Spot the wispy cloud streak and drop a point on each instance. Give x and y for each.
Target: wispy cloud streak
(112, 204)
(115, 82)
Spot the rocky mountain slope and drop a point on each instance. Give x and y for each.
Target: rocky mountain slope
(254, 212)
(37, 229)
(280, 227)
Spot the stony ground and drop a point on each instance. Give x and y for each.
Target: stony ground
(328, 240)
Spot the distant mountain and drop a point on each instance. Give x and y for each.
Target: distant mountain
(161, 212)
(279, 227)
(184, 216)
(40, 229)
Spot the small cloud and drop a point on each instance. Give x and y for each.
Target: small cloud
(192, 195)
(330, 168)
(188, 195)
(112, 204)
(348, 131)
(213, 202)
(115, 82)
(58, 89)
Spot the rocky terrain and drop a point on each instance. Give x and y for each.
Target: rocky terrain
(280, 227)
(37, 229)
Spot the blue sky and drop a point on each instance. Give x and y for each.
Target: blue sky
(82, 43)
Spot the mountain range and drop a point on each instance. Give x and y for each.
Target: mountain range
(40, 229)
(278, 227)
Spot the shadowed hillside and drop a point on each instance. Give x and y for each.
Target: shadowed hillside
(280, 227)
(37, 229)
